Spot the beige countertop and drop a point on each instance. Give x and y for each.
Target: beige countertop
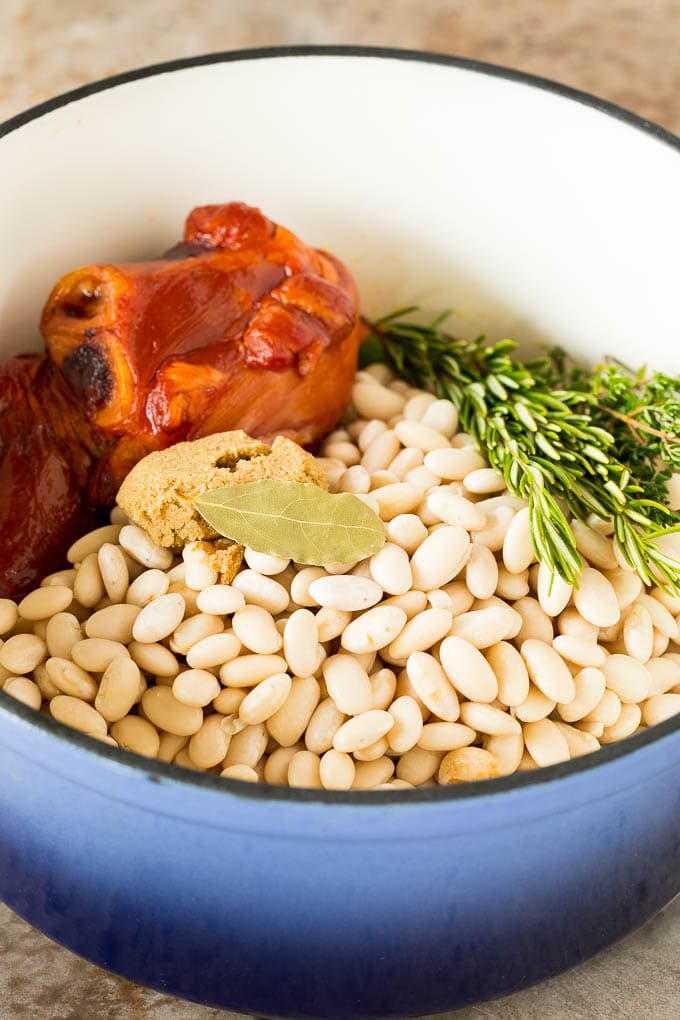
(622, 50)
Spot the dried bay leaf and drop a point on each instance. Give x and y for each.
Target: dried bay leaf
(294, 519)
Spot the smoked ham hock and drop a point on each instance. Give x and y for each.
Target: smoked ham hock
(240, 325)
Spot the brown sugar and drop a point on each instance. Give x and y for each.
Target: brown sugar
(158, 493)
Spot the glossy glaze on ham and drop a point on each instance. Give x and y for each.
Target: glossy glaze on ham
(241, 325)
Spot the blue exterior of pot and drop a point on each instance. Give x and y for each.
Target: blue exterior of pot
(306, 904)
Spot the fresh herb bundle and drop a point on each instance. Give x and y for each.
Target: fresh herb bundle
(572, 442)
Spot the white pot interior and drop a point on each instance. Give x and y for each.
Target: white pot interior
(527, 213)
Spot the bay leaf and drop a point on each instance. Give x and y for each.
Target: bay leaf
(294, 519)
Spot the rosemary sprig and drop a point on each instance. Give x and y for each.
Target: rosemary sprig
(570, 450)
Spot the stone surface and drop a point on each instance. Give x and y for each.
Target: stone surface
(624, 51)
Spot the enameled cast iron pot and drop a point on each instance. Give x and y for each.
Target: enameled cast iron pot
(530, 210)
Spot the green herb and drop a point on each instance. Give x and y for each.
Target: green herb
(294, 519)
(572, 443)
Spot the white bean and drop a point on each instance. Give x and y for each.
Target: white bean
(391, 570)
(548, 671)
(336, 770)
(373, 629)
(660, 707)
(431, 685)
(157, 620)
(468, 670)
(518, 548)
(545, 742)
(627, 677)
(511, 671)
(485, 627)
(413, 433)
(301, 642)
(264, 700)
(408, 724)
(596, 599)
(579, 651)
(362, 730)
(638, 634)
(553, 592)
(255, 628)
(331, 623)
(406, 531)
(439, 558)
(140, 546)
(451, 508)
(345, 591)
(348, 684)
(454, 464)
(442, 416)
(420, 633)
(220, 599)
(481, 572)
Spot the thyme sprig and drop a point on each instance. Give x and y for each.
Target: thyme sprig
(570, 442)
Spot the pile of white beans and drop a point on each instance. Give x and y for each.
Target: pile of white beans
(449, 655)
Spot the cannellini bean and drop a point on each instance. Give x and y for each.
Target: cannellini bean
(304, 770)
(578, 741)
(114, 571)
(118, 689)
(9, 614)
(442, 416)
(413, 433)
(408, 724)
(140, 546)
(573, 625)
(432, 686)
(276, 766)
(579, 651)
(454, 464)
(247, 746)
(445, 736)
(355, 480)
(417, 765)
(412, 603)
(660, 617)
(24, 690)
(512, 586)
(88, 586)
(65, 577)
(157, 620)
(545, 742)
(77, 714)
(511, 672)
(453, 509)
(248, 670)
(439, 558)
(467, 670)
(596, 548)
(162, 708)
(406, 460)
(92, 542)
(288, 724)
(484, 481)
(607, 710)
(628, 722)
(154, 658)
(417, 404)
(370, 774)
(664, 674)
(380, 451)
(264, 700)
(324, 723)
(535, 621)
(485, 627)
(96, 654)
(507, 750)
(535, 706)
(148, 586)
(62, 632)
(264, 563)
(373, 629)
(638, 634)
(331, 623)
(553, 592)
(589, 684)
(659, 708)
(627, 586)
(342, 450)
(261, 590)
(362, 730)
(481, 572)
(627, 677)
(406, 531)
(256, 630)
(420, 633)
(346, 592)
(213, 650)
(194, 629)
(301, 642)
(45, 602)
(594, 729)
(209, 745)
(243, 773)
(200, 572)
(671, 602)
(391, 570)
(336, 770)
(383, 688)
(486, 719)
(195, 687)
(492, 535)
(467, 764)
(595, 599)
(518, 549)
(70, 679)
(115, 623)
(348, 684)
(548, 671)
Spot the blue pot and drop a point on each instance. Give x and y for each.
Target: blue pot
(531, 209)
(305, 904)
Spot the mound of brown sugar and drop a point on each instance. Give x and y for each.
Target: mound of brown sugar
(158, 493)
